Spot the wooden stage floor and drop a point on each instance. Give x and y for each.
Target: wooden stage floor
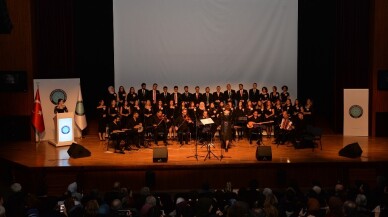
(29, 160)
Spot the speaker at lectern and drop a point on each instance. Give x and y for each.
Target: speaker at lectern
(64, 129)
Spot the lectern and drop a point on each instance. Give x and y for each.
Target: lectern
(64, 129)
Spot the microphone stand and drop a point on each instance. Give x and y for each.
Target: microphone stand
(196, 138)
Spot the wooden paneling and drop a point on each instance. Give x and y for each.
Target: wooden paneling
(16, 55)
(379, 53)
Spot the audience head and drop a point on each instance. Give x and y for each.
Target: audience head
(204, 206)
(313, 206)
(121, 89)
(16, 187)
(238, 209)
(111, 89)
(349, 208)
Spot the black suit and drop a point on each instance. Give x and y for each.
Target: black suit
(197, 97)
(242, 96)
(165, 97)
(254, 96)
(151, 96)
(143, 97)
(178, 98)
(186, 97)
(207, 98)
(229, 96)
(218, 97)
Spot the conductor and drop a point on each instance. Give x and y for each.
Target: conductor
(226, 128)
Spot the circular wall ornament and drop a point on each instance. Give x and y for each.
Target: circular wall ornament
(355, 111)
(65, 129)
(57, 94)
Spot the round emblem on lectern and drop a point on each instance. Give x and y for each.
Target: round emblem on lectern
(57, 94)
(355, 111)
(65, 129)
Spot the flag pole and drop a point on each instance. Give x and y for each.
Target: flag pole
(37, 85)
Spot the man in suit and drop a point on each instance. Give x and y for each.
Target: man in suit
(218, 96)
(241, 95)
(254, 94)
(176, 96)
(197, 96)
(153, 95)
(142, 95)
(229, 94)
(165, 97)
(186, 96)
(207, 97)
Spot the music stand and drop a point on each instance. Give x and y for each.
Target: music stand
(205, 122)
(196, 145)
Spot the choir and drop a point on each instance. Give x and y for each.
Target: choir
(174, 115)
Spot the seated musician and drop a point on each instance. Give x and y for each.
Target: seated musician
(136, 128)
(253, 124)
(182, 125)
(116, 134)
(300, 127)
(160, 126)
(286, 129)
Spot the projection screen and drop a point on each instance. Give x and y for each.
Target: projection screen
(205, 43)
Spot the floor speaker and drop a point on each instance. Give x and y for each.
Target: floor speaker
(352, 151)
(78, 151)
(264, 153)
(160, 154)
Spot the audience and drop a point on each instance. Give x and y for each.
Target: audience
(338, 201)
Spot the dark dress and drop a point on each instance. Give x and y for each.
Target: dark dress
(148, 120)
(226, 123)
(113, 111)
(309, 118)
(101, 114)
(284, 96)
(274, 97)
(131, 98)
(122, 96)
(125, 119)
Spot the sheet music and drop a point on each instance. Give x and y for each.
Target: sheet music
(207, 121)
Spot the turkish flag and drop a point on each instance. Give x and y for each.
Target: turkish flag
(37, 114)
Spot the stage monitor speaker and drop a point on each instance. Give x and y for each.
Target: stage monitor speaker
(352, 150)
(78, 151)
(264, 153)
(160, 154)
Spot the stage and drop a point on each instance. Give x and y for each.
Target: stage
(42, 164)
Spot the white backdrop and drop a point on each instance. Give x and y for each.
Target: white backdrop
(46, 86)
(206, 43)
